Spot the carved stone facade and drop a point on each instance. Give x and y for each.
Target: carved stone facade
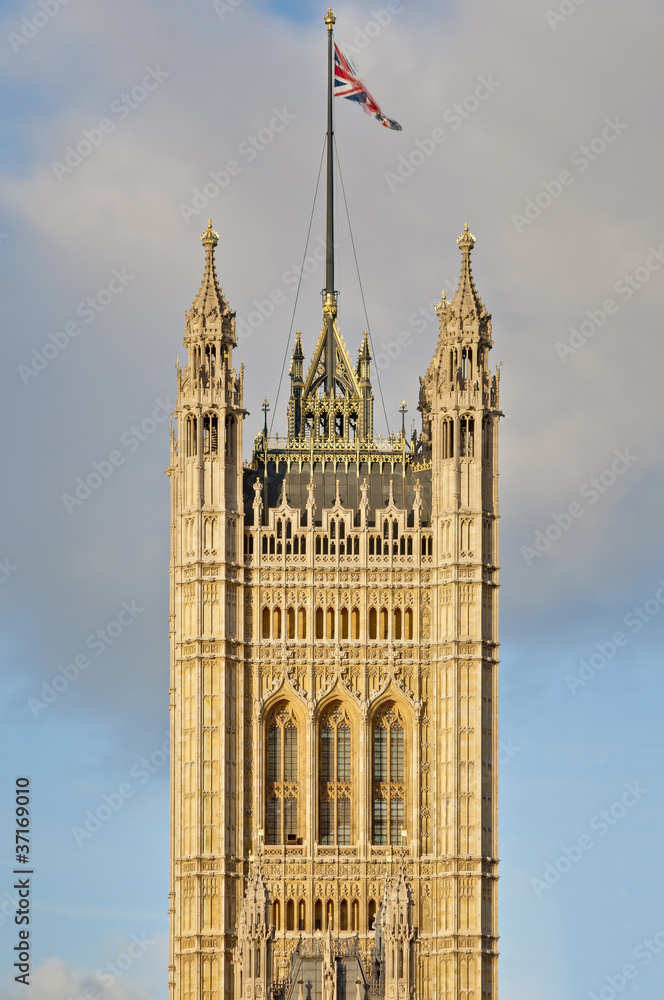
(334, 627)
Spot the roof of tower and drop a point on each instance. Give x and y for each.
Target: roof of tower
(463, 320)
(210, 301)
(298, 353)
(466, 298)
(365, 353)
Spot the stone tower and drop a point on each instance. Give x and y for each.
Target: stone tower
(206, 630)
(334, 627)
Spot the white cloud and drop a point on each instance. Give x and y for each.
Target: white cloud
(55, 980)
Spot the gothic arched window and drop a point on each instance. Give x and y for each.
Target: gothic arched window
(388, 776)
(229, 444)
(335, 749)
(467, 437)
(383, 623)
(210, 434)
(448, 438)
(190, 436)
(282, 782)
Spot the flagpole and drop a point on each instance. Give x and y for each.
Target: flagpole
(330, 299)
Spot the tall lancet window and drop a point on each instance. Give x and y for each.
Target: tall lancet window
(335, 800)
(210, 434)
(282, 783)
(389, 790)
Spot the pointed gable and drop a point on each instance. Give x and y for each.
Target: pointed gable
(345, 376)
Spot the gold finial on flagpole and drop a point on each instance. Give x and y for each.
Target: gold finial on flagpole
(330, 19)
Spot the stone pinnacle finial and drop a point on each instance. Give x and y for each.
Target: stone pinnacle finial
(209, 238)
(330, 19)
(466, 240)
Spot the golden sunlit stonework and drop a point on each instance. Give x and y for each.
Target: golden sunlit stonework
(334, 637)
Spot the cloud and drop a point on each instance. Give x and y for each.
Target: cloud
(55, 980)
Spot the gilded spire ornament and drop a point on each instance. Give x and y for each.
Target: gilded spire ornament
(209, 237)
(466, 239)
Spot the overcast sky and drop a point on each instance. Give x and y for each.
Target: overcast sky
(540, 125)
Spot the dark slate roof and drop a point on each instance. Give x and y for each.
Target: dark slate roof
(325, 482)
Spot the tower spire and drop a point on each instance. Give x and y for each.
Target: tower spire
(466, 296)
(329, 295)
(210, 313)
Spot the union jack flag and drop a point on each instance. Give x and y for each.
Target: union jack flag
(348, 84)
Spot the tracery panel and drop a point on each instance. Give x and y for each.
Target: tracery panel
(388, 788)
(282, 776)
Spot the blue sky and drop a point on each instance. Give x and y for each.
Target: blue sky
(580, 383)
